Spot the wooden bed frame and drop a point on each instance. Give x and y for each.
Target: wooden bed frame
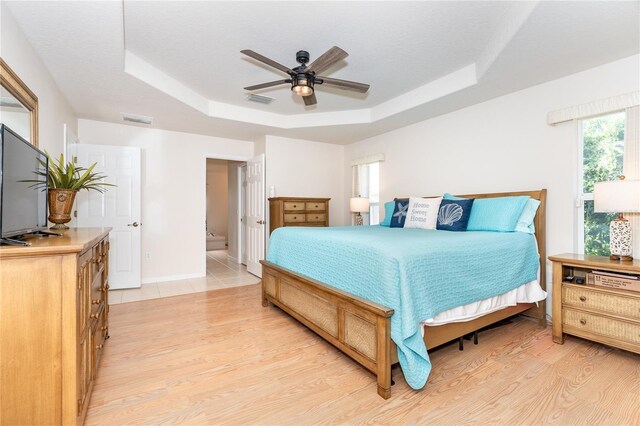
(361, 328)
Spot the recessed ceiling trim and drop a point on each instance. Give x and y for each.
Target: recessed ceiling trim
(450, 83)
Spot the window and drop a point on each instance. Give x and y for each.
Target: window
(366, 183)
(601, 159)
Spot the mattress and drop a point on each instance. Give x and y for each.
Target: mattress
(416, 272)
(530, 292)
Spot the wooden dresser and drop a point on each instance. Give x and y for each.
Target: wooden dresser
(298, 211)
(602, 314)
(54, 319)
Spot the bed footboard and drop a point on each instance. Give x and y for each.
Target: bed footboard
(358, 327)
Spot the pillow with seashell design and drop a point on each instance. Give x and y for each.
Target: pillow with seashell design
(454, 215)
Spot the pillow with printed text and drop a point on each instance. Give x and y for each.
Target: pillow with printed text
(422, 213)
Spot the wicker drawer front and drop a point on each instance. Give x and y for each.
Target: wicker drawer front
(316, 217)
(603, 326)
(320, 206)
(313, 308)
(294, 218)
(586, 298)
(291, 205)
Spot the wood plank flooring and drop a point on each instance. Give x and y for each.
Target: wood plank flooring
(219, 357)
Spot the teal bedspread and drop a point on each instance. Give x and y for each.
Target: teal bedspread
(418, 273)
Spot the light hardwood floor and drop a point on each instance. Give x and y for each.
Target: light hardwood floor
(218, 357)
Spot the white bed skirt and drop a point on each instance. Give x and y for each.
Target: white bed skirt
(530, 292)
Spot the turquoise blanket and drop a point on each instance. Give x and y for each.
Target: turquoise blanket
(418, 273)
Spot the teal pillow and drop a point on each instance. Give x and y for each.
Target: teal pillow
(525, 222)
(388, 213)
(499, 214)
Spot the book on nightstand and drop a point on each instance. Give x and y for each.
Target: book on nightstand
(614, 280)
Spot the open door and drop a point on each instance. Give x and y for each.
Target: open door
(255, 214)
(118, 207)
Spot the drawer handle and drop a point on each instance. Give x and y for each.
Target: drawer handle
(316, 206)
(295, 217)
(583, 299)
(94, 316)
(95, 302)
(583, 321)
(295, 205)
(103, 328)
(100, 346)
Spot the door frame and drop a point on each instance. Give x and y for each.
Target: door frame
(203, 238)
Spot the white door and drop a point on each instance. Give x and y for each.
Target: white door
(243, 214)
(255, 223)
(118, 207)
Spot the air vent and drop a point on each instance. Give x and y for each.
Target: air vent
(260, 99)
(139, 119)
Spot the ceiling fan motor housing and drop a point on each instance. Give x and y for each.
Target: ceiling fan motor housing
(302, 57)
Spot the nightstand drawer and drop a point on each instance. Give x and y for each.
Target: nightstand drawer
(316, 217)
(600, 325)
(603, 301)
(294, 218)
(293, 205)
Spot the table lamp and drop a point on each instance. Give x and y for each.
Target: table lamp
(359, 205)
(620, 196)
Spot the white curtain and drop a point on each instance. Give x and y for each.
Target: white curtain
(601, 106)
(631, 168)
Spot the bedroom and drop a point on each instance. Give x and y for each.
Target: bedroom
(465, 112)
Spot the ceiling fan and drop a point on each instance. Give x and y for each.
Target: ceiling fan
(303, 78)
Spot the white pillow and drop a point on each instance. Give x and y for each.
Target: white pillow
(422, 213)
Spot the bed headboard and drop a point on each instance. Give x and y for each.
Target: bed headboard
(539, 221)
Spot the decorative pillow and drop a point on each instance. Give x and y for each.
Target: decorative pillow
(525, 222)
(453, 215)
(399, 213)
(388, 212)
(499, 214)
(422, 213)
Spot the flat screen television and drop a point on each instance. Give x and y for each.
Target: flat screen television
(23, 207)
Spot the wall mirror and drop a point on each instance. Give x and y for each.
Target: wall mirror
(18, 105)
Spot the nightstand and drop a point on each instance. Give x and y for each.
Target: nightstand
(602, 314)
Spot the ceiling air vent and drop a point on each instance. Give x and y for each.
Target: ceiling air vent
(138, 119)
(260, 99)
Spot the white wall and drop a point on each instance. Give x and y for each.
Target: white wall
(301, 168)
(173, 191)
(500, 145)
(217, 188)
(54, 109)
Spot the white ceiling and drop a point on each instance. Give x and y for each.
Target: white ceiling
(180, 62)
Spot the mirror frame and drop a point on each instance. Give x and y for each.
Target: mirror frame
(10, 81)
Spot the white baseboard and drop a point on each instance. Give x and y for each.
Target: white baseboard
(165, 278)
(232, 258)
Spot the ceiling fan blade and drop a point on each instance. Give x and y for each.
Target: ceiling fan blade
(327, 59)
(344, 84)
(266, 60)
(269, 84)
(310, 100)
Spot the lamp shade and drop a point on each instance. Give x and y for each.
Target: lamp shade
(619, 196)
(359, 205)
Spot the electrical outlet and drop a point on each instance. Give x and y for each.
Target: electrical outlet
(147, 255)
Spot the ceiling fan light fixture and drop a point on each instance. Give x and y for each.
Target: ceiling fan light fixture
(302, 85)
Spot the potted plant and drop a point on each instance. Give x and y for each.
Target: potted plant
(64, 180)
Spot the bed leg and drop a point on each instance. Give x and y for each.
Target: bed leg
(475, 337)
(383, 365)
(460, 344)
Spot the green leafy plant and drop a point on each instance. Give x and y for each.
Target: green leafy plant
(61, 175)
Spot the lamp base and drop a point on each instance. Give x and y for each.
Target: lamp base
(620, 242)
(358, 220)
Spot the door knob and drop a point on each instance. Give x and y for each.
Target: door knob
(134, 224)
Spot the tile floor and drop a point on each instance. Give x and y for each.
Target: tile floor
(221, 273)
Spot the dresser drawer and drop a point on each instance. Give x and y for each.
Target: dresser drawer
(316, 217)
(607, 302)
(294, 218)
(601, 325)
(319, 206)
(293, 205)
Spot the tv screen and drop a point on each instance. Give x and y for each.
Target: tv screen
(23, 208)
